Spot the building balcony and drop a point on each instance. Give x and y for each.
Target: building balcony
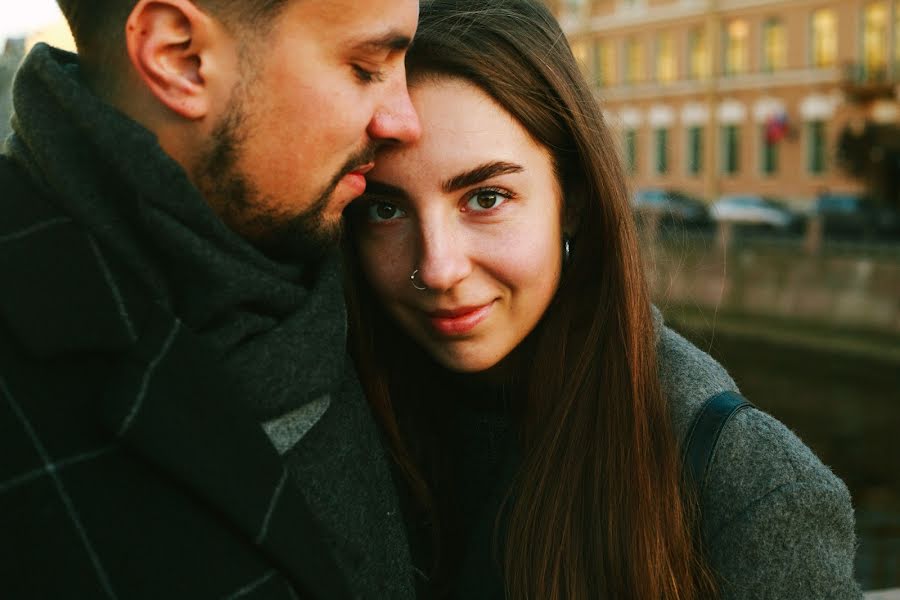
(863, 83)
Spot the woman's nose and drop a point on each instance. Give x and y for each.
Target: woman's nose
(443, 258)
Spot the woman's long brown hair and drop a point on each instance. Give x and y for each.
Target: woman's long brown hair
(597, 507)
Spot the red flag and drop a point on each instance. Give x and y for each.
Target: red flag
(776, 128)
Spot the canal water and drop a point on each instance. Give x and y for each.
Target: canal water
(846, 407)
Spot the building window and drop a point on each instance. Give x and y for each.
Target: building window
(634, 60)
(896, 36)
(604, 63)
(666, 67)
(815, 147)
(768, 159)
(875, 40)
(662, 151)
(823, 48)
(698, 54)
(573, 7)
(737, 34)
(731, 149)
(580, 51)
(774, 48)
(695, 150)
(631, 151)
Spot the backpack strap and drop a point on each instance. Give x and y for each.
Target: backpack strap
(703, 436)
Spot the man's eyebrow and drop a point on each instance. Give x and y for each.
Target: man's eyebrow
(479, 174)
(391, 41)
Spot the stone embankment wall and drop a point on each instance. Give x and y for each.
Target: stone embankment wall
(811, 282)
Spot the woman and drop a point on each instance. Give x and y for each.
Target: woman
(534, 402)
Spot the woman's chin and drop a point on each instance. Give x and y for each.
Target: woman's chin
(490, 368)
(467, 367)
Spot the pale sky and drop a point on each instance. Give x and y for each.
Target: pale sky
(18, 17)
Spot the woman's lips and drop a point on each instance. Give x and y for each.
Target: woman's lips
(459, 321)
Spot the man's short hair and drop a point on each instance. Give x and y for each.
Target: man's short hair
(98, 25)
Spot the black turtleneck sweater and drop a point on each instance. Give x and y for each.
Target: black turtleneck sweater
(471, 465)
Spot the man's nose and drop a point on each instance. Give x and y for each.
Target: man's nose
(396, 119)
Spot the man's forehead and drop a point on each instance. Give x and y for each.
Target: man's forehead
(391, 40)
(377, 18)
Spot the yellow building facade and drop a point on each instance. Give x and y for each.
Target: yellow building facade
(731, 96)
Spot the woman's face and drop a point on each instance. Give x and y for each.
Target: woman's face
(475, 207)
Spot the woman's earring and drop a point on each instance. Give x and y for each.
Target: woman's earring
(567, 250)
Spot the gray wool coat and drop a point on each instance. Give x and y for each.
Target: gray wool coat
(777, 523)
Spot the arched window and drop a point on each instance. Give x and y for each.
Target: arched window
(737, 34)
(774, 48)
(823, 49)
(875, 39)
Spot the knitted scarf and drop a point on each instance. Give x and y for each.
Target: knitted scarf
(280, 327)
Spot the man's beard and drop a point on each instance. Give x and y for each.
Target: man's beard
(306, 235)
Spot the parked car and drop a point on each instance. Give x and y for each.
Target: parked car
(855, 215)
(755, 210)
(674, 208)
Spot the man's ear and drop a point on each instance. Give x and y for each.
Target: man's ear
(171, 44)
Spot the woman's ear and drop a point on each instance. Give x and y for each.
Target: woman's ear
(171, 45)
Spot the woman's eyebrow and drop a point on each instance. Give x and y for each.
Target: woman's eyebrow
(386, 190)
(479, 174)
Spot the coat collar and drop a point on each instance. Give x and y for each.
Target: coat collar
(175, 407)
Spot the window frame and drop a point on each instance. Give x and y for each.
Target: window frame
(731, 149)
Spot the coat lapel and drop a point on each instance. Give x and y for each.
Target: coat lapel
(174, 407)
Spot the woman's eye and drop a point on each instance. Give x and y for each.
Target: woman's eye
(486, 200)
(384, 211)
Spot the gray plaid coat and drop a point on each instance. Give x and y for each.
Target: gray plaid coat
(223, 453)
(125, 470)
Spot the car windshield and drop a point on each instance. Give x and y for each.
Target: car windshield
(742, 200)
(753, 201)
(843, 203)
(650, 197)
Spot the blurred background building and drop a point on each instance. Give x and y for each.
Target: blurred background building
(12, 52)
(14, 49)
(728, 96)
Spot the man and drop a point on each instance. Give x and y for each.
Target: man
(177, 414)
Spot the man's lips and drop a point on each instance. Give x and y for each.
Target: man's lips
(363, 169)
(459, 320)
(356, 178)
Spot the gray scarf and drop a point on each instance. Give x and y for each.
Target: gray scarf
(280, 327)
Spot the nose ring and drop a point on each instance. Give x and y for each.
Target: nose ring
(412, 278)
